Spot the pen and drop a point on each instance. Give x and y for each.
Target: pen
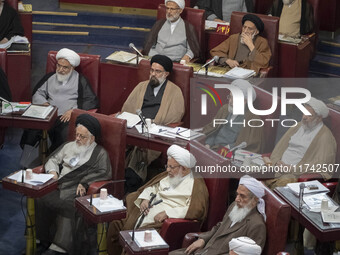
(178, 130)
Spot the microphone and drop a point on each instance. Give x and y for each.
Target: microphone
(302, 187)
(5, 100)
(132, 46)
(143, 215)
(240, 146)
(214, 59)
(140, 115)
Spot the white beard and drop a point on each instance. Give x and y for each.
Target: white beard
(81, 149)
(238, 214)
(309, 126)
(175, 181)
(252, 37)
(62, 78)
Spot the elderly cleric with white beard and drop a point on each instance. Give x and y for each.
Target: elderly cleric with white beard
(244, 217)
(183, 195)
(246, 49)
(310, 142)
(160, 100)
(76, 165)
(67, 90)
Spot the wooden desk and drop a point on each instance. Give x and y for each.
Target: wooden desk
(132, 248)
(310, 220)
(31, 192)
(93, 215)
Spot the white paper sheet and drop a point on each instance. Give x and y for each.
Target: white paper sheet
(37, 179)
(110, 204)
(156, 239)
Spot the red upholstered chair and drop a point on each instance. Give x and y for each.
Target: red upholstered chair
(271, 30)
(13, 3)
(195, 17)
(174, 230)
(278, 217)
(89, 67)
(113, 139)
(180, 75)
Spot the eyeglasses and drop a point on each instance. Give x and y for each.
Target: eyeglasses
(82, 137)
(171, 167)
(156, 71)
(171, 9)
(65, 68)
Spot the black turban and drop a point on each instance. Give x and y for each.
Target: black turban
(90, 122)
(163, 61)
(256, 20)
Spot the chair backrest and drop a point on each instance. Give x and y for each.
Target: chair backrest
(333, 123)
(271, 31)
(262, 6)
(316, 28)
(195, 17)
(3, 60)
(217, 187)
(113, 139)
(89, 67)
(13, 4)
(264, 101)
(180, 75)
(278, 217)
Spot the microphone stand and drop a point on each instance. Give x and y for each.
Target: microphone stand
(206, 70)
(137, 58)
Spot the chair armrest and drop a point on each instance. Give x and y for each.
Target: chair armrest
(93, 110)
(96, 186)
(174, 230)
(309, 177)
(265, 72)
(331, 186)
(39, 169)
(189, 239)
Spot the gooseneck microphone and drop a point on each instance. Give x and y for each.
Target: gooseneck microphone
(142, 215)
(206, 65)
(132, 46)
(302, 187)
(142, 118)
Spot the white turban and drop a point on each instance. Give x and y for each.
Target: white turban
(180, 3)
(244, 86)
(70, 56)
(319, 107)
(182, 156)
(244, 246)
(256, 187)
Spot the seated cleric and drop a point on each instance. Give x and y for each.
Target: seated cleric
(160, 100)
(248, 49)
(67, 90)
(82, 162)
(244, 217)
(234, 132)
(173, 37)
(306, 145)
(183, 195)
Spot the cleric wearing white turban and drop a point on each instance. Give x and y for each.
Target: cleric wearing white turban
(257, 188)
(72, 57)
(319, 107)
(182, 156)
(244, 246)
(180, 3)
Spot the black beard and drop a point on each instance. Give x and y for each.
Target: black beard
(154, 82)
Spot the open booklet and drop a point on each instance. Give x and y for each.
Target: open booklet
(124, 57)
(38, 111)
(109, 204)
(132, 119)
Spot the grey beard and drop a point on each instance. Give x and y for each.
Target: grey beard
(62, 78)
(252, 37)
(238, 214)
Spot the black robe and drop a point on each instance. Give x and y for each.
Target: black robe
(10, 23)
(5, 91)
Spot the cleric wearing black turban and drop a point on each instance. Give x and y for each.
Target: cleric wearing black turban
(76, 165)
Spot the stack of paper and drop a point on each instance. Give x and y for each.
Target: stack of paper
(38, 111)
(38, 179)
(157, 240)
(109, 204)
(213, 24)
(313, 201)
(310, 187)
(132, 119)
(124, 57)
(331, 217)
(239, 73)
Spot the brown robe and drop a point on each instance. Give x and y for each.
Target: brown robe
(322, 150)
(228, 49)
(170, 111)
(253, 136)
(218, 238)
(197, 211)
